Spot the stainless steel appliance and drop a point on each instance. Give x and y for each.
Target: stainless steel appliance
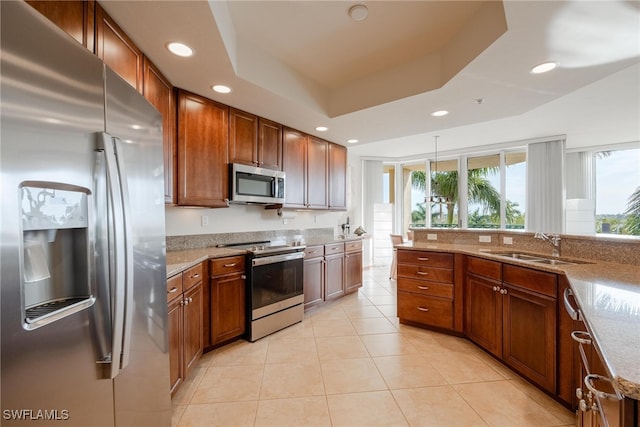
(83, 294)
(275, 292)
(250, 184)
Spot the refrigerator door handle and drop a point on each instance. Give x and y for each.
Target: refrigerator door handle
(118, 249)
(128, 242)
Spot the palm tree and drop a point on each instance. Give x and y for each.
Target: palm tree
(445, 184)
(632, 223)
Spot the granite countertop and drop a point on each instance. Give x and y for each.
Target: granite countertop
(608, 295)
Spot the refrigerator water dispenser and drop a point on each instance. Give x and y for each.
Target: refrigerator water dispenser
(56, 242)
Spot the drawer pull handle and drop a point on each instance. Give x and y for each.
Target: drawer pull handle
(582, 337)
(231, 265)
(424, 288)
(423, 259)
(422, 273)
(425, 309)
(172, 290)
(195, 276)
(313, 252)
(588, 381)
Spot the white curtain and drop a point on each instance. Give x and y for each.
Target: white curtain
(372, 180)
(545, 187)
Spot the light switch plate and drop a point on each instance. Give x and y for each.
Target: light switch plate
(204, 220)
(432, 236)
(485, 239)
(507, 240)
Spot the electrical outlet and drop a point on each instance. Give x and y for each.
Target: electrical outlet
(432, 236)
(485, 239)
(507, 240)
(285, 221)
(204, 220)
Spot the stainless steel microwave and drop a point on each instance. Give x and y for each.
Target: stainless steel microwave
(250, 184)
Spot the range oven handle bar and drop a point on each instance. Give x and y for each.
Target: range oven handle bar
(276, 258)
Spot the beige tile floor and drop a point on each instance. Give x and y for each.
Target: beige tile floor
(350, 363)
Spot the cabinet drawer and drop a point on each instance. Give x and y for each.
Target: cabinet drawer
(353, 246)
(222, 266)
(425, 273)
(426, 310)
(314, 252)
(192, 276)
(431, 259)
(534, 280)
(174, 287)
(442, 290)
(333, 248)
(484, 267)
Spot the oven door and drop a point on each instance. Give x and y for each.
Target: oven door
(276, 283)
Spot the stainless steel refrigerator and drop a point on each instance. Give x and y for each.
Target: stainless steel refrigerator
(83, 293)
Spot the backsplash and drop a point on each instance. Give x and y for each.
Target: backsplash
(198, 241)
(599, 248)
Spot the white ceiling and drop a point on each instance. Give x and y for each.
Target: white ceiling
(305, 64)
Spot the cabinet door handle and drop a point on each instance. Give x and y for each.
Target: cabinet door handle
(423, 259)
(581, 337)
(422, 273)
(424, 288)
(588, 381)
(172, 290)
(243, 277)
(503, 291)
(231, 265)
(574, 313)
(496, 288)
(425, 309)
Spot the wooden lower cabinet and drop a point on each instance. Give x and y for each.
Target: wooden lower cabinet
(426, 288)
(511, 313)
(313, 279)
(227, 299)
(334, 271)
(185, 324)
(352, 266)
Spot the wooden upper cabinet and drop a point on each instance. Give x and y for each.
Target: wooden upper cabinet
(243, 137)
(337, 177)
(294, 154)
(159, 92)
(76, 18)
(115, 48)
(254, 141)
(203, 133)
(269, 144)
(317, 172)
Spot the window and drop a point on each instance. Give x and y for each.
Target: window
(617, 176)
(444, 193)
(515, 189)
(483, 191)
(415, 190)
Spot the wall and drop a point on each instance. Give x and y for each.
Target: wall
(181, 221)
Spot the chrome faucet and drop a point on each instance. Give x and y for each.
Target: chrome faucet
(554, 239)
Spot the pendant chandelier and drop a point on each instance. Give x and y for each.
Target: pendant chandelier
(436, 196)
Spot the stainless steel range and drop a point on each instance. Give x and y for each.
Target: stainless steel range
(275, 297)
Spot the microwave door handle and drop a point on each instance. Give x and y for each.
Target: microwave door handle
(274, 186)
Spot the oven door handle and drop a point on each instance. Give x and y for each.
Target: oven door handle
(276, 258)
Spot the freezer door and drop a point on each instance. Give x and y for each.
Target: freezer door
(142, 385)
(51, 107)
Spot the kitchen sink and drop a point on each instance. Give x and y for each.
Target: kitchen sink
(539, 259)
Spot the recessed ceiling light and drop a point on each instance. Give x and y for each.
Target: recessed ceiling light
(136, 127)
(180, 49)
(358, 12)
(322, 128)
(479, 101)
(352, 141)
(439, 113)
(221, 88)
(543, 68)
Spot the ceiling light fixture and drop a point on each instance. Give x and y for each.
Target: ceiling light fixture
(180, 49)
(439, 113)
(352, 141)
(543, 68)
(436, 197)
(221, 88)
(479, 101)
(322, 128)
(358, 12)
